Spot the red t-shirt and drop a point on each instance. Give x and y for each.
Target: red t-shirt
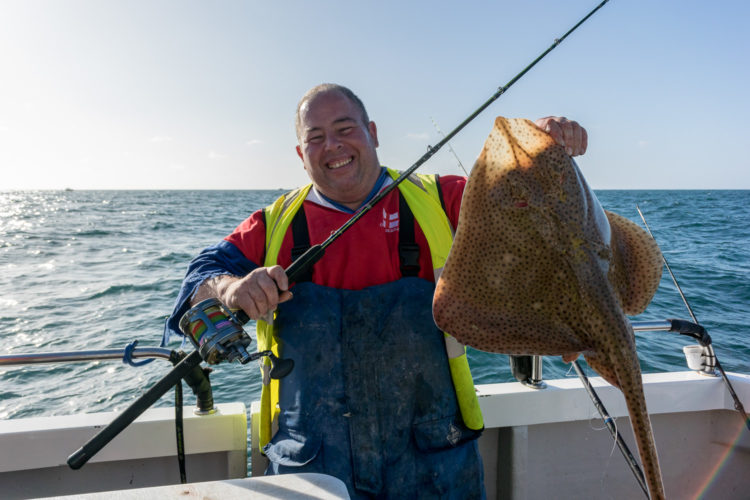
(366, 254)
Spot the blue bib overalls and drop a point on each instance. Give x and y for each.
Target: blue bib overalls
(371, 400)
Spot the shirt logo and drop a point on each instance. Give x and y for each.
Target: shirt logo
(389, 222)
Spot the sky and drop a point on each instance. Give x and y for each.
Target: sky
(164, 94)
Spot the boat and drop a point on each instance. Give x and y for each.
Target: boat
(543, 439)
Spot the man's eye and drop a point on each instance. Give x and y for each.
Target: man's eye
(316, 139)
(345, 130)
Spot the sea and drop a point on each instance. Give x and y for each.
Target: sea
(88, 270)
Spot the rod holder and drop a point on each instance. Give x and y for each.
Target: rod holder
(528, 371)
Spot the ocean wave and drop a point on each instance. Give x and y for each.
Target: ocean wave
(161, 226)
(172, 257)
(97, 233)
(123, 289)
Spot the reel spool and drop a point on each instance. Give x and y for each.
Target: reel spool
(218, 335)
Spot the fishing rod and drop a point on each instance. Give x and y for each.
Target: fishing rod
(609, 422)
(316, 252)
(450, 148)
(705, 341)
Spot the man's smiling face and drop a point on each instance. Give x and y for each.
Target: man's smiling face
(337, 148)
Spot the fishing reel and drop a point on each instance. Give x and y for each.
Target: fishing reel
(217, 334)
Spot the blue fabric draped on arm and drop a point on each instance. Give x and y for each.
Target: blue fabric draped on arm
(222, 258)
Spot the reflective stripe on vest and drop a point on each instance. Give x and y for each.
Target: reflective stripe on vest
(421, 194)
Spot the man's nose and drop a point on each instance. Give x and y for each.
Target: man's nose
(332, 142)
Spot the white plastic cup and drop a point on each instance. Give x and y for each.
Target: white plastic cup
(694, 356)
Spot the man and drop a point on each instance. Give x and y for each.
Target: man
(378, 397)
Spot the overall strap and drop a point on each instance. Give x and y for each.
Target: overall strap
(301, 241)
(408, 250)
(439, 189)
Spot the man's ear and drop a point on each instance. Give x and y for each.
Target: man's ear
(299, 153)
(373, 133)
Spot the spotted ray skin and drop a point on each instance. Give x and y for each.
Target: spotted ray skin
(538, 267)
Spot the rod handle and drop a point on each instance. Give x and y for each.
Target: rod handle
(689, 329)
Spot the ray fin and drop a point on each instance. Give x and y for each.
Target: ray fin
(636, 264)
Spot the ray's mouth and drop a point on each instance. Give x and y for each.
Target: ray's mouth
(333, 165)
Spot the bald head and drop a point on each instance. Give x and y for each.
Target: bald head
(324, 88)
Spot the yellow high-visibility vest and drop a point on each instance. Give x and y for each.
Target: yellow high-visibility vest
(421, 194)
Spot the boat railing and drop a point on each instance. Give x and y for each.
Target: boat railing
(701, 358)
(197, 379)
(86, 355)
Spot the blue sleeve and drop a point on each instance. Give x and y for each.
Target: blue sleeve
(222, 258)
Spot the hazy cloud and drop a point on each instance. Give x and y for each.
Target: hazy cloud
(161, 138)
(213, 155)
(252, 142)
